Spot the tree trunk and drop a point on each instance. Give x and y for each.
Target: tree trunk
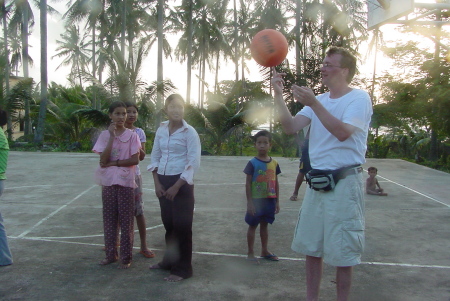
(160, 87)
(189, 54)
(216, 80)
(7, 71)
(94, 67)
(124, 25)
(437, 49)
(199, 84)
(24, 33)
(39, 137)
(236, 45)
(298, 26)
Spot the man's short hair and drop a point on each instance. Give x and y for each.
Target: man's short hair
(263, 133)
(372, 169)
(348, 60)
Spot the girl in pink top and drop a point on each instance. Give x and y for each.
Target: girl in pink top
(119, 154)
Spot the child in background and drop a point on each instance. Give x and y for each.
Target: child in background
(262, 191)
(119, 150)
(305, 165)
(372, 183)
(132, 116)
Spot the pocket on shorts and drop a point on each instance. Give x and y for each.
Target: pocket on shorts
(353, 236)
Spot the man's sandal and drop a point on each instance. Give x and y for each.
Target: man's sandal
(293, 197)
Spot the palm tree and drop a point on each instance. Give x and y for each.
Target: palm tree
(74, 49)
(15, 46)
(220, 120)
(199, 45)
(66, 118)
(219, 43)
(22, 21)
(182, 21)
(4, 15)
(39, 137)
(89, 10)
(160, 36)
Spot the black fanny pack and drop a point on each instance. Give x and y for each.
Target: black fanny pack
(326, 180)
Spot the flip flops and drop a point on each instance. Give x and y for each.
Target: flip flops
(147, 253)
(293, 198)
(271, 257)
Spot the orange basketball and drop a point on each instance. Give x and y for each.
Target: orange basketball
(269, 47)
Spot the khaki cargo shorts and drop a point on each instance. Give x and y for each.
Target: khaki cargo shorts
(331, 224)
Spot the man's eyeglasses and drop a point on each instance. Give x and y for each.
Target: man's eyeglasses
(327, 65)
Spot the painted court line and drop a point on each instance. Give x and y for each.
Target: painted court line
(390, 264)
(415, 191)
(34, 186)
(54, 212)
(73, 237)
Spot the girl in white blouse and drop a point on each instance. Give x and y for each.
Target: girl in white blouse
(175, 158)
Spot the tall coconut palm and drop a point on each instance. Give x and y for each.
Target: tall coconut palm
(15, 46)
(22, 21)
(246, 25)
(39, 137)
(160, 36)
(89, 10)
(4, 10)
(74, 49)
(182, 21)
(219, 43)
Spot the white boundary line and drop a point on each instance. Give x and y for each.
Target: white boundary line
(21, 187)
(391, 264)
(415, 191)
(74, 237)
(56, 211)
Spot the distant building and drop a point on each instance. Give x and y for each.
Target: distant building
(17, 125)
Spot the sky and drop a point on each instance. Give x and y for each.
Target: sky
(176, 71)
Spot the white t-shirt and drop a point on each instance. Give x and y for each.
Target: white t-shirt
(325, 150)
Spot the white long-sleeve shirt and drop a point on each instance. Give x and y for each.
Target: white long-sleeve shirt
(175, 154)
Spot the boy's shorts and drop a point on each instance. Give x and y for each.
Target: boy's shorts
(264, 211)
(138, 202)
(331, 224)
(305, 165)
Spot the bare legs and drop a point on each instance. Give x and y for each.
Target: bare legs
(343, 282)
(298, 183)
(314, 267)
(251, 241)
(264, 235)
(140, 221)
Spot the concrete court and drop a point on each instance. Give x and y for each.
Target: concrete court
(52, 213)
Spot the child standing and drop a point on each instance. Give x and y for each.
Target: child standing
(262, 191)
(305, 165)
(132, 116)
(372, 183)
(119, 154)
